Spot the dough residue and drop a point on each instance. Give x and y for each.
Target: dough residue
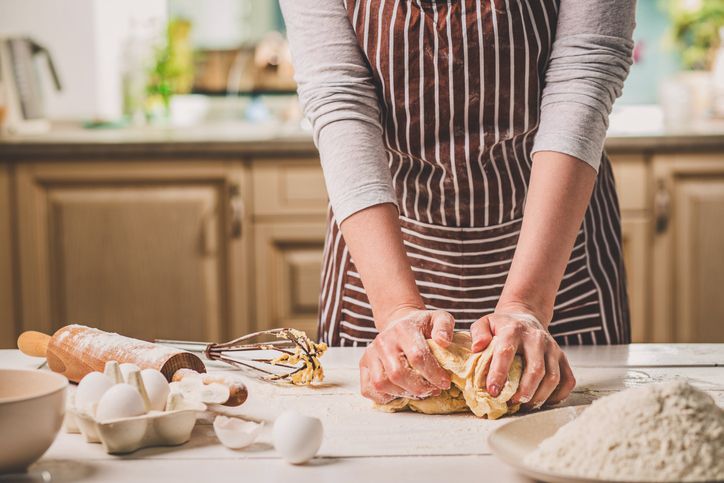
(659, 432)
(468, 371)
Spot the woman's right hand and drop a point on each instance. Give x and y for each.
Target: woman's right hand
(399, 363)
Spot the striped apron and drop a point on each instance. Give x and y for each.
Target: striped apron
(459, 84)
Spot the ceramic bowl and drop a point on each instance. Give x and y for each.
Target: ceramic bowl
(32, 405)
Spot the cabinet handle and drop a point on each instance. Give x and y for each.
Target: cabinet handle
(662, 207)
(236, 204)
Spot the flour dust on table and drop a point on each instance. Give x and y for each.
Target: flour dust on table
(659, 432)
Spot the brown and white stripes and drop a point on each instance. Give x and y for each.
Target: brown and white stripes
(459, 84)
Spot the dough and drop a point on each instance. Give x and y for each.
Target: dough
(468, 371)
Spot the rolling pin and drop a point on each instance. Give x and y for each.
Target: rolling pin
(76, 350)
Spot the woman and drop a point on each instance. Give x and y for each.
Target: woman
(461, 142)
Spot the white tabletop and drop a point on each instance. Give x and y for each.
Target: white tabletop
(362, 444)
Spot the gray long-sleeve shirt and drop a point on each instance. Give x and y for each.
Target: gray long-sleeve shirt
(588, 63)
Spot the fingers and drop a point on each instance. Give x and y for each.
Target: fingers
(568, 382)
(534, 351)
(549, 383)
(420, 358)
(399, 372)
(380, 382)
(442, 328)
(481, 334)
(368, 390)
(504, 351)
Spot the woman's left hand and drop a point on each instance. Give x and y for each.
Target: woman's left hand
(547, 376)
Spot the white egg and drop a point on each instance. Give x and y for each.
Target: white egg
(297, 437)
(90, 390)
(127, 368)
(156, 387)
(120, 401)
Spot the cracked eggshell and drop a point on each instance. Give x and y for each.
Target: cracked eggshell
(297, 437)
(236, 433)
(120, 401)
(193, 389)
(90, 391)
(156, 387)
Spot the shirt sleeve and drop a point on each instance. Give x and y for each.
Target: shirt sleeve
(339, 98)
(589, 61)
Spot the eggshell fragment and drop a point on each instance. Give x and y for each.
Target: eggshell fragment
(90, 390)
(297, 437)
(156, 387)
(193, 389)
(120, 401)
(236, 433)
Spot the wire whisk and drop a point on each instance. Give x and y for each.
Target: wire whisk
(296, 361)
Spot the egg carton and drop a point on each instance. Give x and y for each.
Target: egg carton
(126, 435)
(170, 427)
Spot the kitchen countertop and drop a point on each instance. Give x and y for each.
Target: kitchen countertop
(238, 138)
(362, 444)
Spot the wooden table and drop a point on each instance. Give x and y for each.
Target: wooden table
(362, 444)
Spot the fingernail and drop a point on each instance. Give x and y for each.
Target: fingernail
(524, 399)
(494, 390)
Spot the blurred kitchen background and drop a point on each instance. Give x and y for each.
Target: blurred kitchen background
(157, 177)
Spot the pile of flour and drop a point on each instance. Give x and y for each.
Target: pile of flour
(659, 432)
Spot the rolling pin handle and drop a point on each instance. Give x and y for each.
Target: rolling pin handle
(32, 343)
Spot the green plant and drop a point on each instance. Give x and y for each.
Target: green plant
(172, 73)
(695, 29)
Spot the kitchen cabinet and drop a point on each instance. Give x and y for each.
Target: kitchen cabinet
(631, 175)
(290, 206)
(688, 248)
(211, 239)
(288, 267)
(7, 287)
(142, 248)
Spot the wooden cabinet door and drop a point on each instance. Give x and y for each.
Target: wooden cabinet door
(288, 267)
(631, 173)
(636, 242)
(688, 267)
(7, 293)
(139, 248)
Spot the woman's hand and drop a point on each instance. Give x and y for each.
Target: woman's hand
(547, 376)
(399, 363)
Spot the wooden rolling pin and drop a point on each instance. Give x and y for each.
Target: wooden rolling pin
(76, 350)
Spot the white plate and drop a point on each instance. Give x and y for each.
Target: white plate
(513, 441)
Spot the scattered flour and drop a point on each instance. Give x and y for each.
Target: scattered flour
(659, 432)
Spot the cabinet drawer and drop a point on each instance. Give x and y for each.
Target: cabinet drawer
(631, 175)
(284, 187)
